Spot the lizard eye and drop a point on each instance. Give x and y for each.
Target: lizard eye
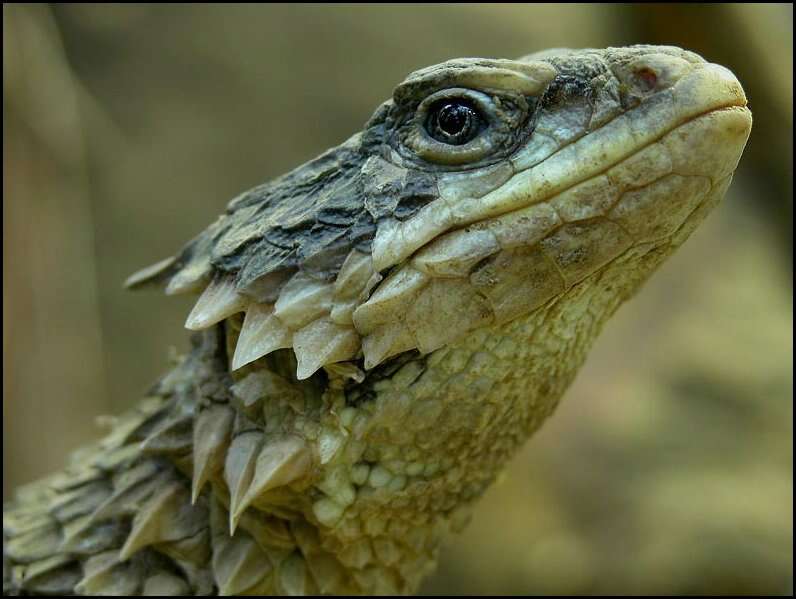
(454, 122)
(461, 127)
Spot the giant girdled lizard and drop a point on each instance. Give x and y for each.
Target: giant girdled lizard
(380, 329)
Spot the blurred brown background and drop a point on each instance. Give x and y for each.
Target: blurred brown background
(668, 467)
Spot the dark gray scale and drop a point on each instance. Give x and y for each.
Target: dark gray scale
(309, 218)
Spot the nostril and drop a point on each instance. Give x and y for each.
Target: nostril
(647, 78)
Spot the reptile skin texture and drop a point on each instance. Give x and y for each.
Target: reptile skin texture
(378, 331)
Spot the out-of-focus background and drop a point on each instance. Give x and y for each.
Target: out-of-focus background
(668, 467)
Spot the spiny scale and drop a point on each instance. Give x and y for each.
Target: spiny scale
(264, 385)
(186, 282)
(33, 545)
(323, 342)
(301, 300)
(353, 275)
(85, 537)
(262, 333)
(454, 254)
(81, 501)
(392, 296)
(127, 499)
(150, 274)
(106, 574)
(173, 435)
(238, 562)
(280, 462)
(239, 470)
(167, 516)
(56, 575)
(211, 437)
(314, 318)
(385, 341)
(219, 301)
(192, 277)
(328, 339)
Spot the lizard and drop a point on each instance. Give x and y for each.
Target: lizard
(379, 330)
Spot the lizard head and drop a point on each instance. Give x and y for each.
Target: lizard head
(404, 310)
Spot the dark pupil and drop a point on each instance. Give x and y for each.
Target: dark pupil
(454, 118)
(454, 123)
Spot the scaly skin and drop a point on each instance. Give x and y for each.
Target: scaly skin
(416, 302)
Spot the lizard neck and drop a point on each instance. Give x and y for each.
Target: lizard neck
(436, 433)
(396, 461)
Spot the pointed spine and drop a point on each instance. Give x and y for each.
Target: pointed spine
(323, 342)
(353, 275)
(167, 516)
(239, 471)
(280, 462)
(211, 436)
(385, 341)
(151, 274)
(219, 301)
(391, 298)
(262, 333)
(191, 278)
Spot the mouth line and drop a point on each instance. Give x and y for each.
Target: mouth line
(608, 167)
